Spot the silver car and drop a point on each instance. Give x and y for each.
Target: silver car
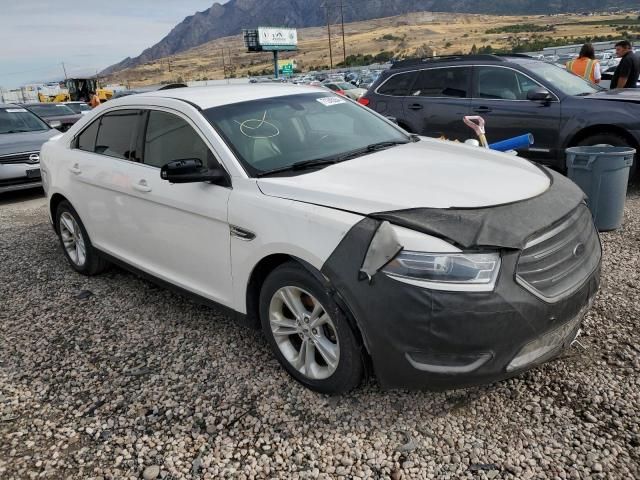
(22, 133)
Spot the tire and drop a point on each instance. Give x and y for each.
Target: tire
(75, 242)
(615, 140)
(308, 333)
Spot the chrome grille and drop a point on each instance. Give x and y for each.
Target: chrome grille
(24, 157)
(556, 263)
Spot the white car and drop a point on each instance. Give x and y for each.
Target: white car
(350, 242)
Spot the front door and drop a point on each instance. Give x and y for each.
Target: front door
(500, 97)
(180, 231)
(438, 101)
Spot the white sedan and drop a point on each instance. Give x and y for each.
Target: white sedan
(354, 245)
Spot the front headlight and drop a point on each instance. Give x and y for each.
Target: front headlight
(469, 272)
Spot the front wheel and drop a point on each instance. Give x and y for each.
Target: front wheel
(614, 140)
(308, 333)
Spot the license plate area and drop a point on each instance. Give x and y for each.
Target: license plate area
(34, 173)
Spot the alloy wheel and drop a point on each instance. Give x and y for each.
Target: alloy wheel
(72, 239)
(304, 332)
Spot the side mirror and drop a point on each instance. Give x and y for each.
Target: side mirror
(55, 123)
(539, 94)
(190, 170)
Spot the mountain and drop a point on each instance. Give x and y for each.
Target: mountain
(230, 18)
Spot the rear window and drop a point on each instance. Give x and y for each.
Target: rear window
(443, 82)
(398, 85)
(116, 134)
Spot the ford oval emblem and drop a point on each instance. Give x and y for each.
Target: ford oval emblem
(579, 250)
(34, 157)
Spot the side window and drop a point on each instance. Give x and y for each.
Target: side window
(443, 82)
(398, 85)
(87, 139)
(503, 84)
(117, 133)
(169, 138)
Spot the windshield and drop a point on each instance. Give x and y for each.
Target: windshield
(566, 82)
(51, 110)
(17, 120)
(275, 133)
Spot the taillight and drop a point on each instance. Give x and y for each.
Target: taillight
(364, 101)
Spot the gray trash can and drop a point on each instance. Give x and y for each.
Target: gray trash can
(602, 172)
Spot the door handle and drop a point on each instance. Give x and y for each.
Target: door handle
(75, 169)
(141, 186)
(482, 110)
(415, 106)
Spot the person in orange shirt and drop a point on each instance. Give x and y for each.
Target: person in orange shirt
(586, 65)
(95, 100)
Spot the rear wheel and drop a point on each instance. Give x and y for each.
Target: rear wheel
(308, 333)
(614, 140)
(75, 242)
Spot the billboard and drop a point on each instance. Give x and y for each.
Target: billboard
(277, 37)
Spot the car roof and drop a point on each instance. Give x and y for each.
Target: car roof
(215, 96)
(412, 64)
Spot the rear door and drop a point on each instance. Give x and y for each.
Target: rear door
(388, 98)
(99, 164)
(500, 97)
(438, 101)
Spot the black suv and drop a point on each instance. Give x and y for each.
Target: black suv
(515, 94)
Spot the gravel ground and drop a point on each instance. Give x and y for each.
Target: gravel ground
(112, 377)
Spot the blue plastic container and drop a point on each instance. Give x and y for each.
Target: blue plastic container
(602, 172)
(515, 143)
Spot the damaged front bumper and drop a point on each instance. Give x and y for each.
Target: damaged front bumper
(421, 337)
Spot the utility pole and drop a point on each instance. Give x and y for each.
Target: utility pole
(224, 65)
(65, 71)
(326, 9)
(344, 47)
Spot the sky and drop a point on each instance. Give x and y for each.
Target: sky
(37, 36)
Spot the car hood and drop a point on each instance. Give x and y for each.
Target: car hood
(24, 141)
(618, 95)
(426, 174)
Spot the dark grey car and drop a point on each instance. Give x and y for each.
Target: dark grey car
(21, 135)
(55, 112)
(515, 95)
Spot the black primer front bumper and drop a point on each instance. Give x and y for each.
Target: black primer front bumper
(423, 338)
(420, 338)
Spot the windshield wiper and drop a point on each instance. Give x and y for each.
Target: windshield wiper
(374, 147)
(303, 165)
(17, 131)
(321, 162)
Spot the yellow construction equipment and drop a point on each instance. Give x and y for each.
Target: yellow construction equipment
(80, 89)
(58, 97)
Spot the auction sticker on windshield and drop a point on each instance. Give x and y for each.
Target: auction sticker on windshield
(16, 110)
(329, 101)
